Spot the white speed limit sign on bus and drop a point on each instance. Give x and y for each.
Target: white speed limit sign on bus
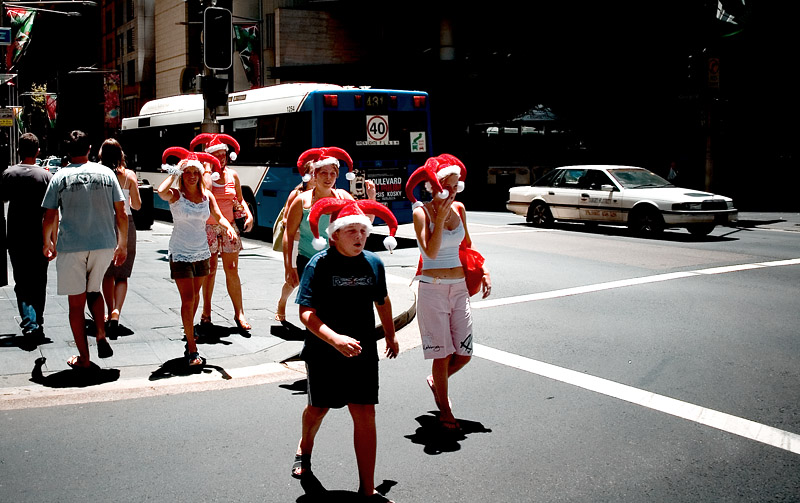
(378, 131)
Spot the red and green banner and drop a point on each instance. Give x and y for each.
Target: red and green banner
(21, 25)
(111, 90)
(50, 105)
(249, 47)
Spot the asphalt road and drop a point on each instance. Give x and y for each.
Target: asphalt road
(607, 368)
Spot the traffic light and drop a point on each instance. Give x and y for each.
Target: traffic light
(217, 38)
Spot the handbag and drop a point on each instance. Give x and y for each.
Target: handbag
(239, 216)
(277, 232)
(472, 262)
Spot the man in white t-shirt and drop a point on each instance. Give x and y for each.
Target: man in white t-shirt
(90, 232)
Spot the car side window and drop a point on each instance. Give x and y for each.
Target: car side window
(596, 179)
(570, 178)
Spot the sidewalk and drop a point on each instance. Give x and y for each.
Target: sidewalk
(148, 351)
(150, 335)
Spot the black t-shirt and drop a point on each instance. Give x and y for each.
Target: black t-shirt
(24, 185)
(342, 290)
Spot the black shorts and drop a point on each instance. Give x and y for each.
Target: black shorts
(334, 383)
(186, 270)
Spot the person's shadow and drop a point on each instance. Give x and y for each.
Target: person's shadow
(315, 492)
(299, 387)
(215, 334)
(437, 439)
(180, 367)
(27, 343)
(73, 378)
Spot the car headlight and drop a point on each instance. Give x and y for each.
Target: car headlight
(730, 204)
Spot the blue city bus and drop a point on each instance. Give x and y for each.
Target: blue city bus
(386, 132)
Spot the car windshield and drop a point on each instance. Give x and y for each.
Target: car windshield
(638, 178)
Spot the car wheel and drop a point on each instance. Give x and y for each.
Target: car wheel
(701, 229)
(539, 214)
(646, 222)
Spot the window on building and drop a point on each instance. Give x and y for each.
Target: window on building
(269, 31)
(130, 73)
(131, 10)
(129, 37)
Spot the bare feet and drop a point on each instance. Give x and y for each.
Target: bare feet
(280, 317)
(241, 322)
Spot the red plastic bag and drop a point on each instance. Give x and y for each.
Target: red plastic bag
(472, 262)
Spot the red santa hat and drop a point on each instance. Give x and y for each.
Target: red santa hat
(346, 212)
(432, 172)
(212, 142)
(187, 158)
(324, 156)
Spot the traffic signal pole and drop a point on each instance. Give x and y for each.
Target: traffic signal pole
(217, 55)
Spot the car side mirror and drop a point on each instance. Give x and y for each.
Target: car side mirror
(607, 188)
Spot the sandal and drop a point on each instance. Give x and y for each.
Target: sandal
(193, 359)
(104, 348)
(450, 425)
(242, 326)
(73, 363)
(301, 465)
(280, 317)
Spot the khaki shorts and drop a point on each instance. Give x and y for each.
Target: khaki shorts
(82, 272)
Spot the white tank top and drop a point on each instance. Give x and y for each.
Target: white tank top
(447, 257)
(188, 242)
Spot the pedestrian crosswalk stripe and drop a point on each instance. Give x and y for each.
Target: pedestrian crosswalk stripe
(720, 420)
(597, 287)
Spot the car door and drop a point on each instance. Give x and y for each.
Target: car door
(565, 196)
(596, 204)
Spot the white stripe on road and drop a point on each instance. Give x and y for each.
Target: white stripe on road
(482, 304)
(726, 422)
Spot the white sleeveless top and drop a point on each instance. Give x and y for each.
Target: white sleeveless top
(447, 257)
(188, 242)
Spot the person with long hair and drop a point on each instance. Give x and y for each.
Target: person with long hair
(115, 281)
(191, 205)
(224, 183)
(323, 163)
(443, 306)
(308, 183)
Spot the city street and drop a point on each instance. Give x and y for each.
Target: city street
(606, 368)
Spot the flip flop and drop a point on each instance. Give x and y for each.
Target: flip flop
(73, 363)
(450, 425)
(301, 462)
(104, 348)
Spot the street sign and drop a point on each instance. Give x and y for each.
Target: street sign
(5, 35)
(6, 117)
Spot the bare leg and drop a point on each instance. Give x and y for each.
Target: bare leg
(189, 289)
(286, 291)
(208, 288)
(365, 441)
(312, 420)
(230, 262)
(441, 371)
(120, 292)
(77, 322)
(98, 309)
(109, 292)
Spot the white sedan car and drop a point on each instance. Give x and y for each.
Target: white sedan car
(622, 195)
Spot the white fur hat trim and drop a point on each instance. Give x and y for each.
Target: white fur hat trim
(218, 146)
(450, 170)
(325, 162)
(348, 220)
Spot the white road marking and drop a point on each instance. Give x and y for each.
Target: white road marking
(725, 422)
(597, 287)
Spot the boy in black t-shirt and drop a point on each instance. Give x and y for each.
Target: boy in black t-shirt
(336, 294)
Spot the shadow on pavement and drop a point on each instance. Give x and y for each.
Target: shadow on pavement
(436, 439)
(315, 492)
(299, 387)
(288, 331)
(73, 378)
(178, 367)
(24, 342)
